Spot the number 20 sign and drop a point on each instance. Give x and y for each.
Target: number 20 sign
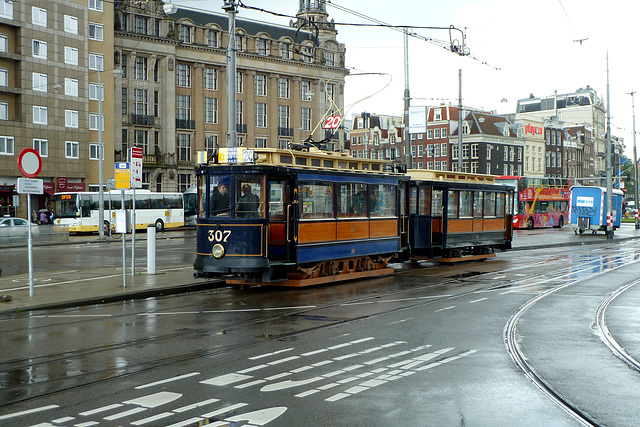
(332, 122)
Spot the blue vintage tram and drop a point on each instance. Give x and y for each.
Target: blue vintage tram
(304, 217)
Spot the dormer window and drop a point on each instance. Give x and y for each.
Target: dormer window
(466, 129)
(437, 114)
(505, 130)
(185, 34)
(520, 131)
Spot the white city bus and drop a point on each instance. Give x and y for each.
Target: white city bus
(79, 211)
(190, 202)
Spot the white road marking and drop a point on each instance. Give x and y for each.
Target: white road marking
(168, 380)
(87, 424)
(124, 414)
(478, 300)
(250, 384)
(446, 308)
(152, 419)
(290, 384)
(102, 409)
(28, 411)
(401, 321)
(227, 379)
(270, 354)
(285, 360)
(223, 410)
(195, 405)
(155, 400)
(253, 368)
(189, 422)
(63, 420)
(260, 417)
(393, 300)
(54, 316)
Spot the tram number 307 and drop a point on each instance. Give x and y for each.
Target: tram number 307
(219, 235)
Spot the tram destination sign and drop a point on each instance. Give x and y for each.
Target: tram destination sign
(233, 155)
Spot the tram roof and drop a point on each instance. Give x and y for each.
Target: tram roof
(433, 175)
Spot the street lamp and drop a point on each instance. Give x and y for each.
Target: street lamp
(100, 154)
(635, 162)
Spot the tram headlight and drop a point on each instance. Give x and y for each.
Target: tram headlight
(217, 251)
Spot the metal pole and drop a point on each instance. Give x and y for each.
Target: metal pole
(407, 102)
(232, 132)
(30, 245)
(635, 162)
(133, 234)
(608, 162)
(460, 114)
(124, 245)
(151, 249)
(100, 155)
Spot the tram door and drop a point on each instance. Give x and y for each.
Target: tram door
(280, 230)
(404, 217)
(437, 216)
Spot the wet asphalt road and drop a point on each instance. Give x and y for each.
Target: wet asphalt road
(424, 347)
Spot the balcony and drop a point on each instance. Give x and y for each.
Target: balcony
(144, 120)
(285, 131)
(185, 124)
(241, 128)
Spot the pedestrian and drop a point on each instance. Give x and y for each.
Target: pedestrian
(43, 217)
(248, 204)
(34, 217)
(220, 200)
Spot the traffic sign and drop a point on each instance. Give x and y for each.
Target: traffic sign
(123, 176)
(30, 186)
(30, 163)
(135, 157)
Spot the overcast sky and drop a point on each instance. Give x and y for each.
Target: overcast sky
(517, 47)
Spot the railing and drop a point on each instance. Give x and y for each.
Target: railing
(185, 124)
(144, 120)
(241, 128)
(285, 131)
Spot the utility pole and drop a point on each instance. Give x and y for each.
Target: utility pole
(407, 101)
(635, 162)
(460, 113)
(232, 132)
(608, 164)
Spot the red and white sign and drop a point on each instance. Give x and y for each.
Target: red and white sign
(29, 162)
(135, 158)
(332, 122)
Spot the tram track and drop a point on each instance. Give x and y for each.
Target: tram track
(54, 385)
(511, 342)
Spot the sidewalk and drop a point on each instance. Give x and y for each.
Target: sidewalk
(99, 287)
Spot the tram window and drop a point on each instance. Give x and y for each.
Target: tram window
(477, 204)
(452, 205)
(500, 204)
(375, 167)
(301, 161)
(342, 165)
(489, 204)
(249, 196)
(328, 163)
(286, 159)
(353, 165)
(276, 200)
(436, 202)
(413, 200)
(316, 200)
(466, 199)
(219, 199)
(382, 200)
(425, 196)
(352, 200)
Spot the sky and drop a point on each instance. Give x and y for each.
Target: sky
(516, 48)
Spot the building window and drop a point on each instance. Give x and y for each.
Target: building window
(306, 118)
(283, 116)
(329, 58)
(239, 82)
(70, 24)
(4, 43)
(307, 54)
(141, 69)
(141, 139)
(93, 122)
(96, 32)
(261, 115)
(70, 55)
(437, 114)
(184, 147)
(283, 144)
(283, 88)
(141, 102)
(123, 64)
(210, 143)
(240, 42)
(436, 150)
(7, 144)
(96, 61)
(443, 132)
(331, 90)
(184, 107)
(454, 151)
(305, 91)
(211, 79)
(436, 134)
(184, 75)
(185, 34)
(41, 146)
(6, 9)
(71, 119)
(39, 49)
(96, 5)
(263, 47)
(71, 87)
(474, 151)
(95, 93)
(285, 50)
(261, 85)
(211, 110)
(474, 167)
(184, 182)
(4, 110)
(39, 115)
(212, 38)
(465, 151)
(429, 133)
(39, 16)
(140, 25)
(261, 142)
(93, 151)
(72, 150)
(443, 149)
(239, 112)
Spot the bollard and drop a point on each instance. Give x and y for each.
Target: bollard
(151, 249)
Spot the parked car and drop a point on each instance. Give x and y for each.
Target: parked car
(12, 227)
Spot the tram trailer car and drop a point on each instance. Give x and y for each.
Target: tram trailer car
(588, 209)
(458, 216)
(296, 215)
